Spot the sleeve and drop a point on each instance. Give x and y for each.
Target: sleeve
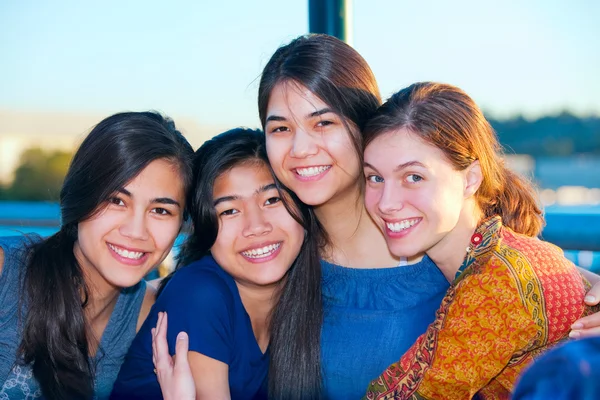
(479, 327)
(200, 303)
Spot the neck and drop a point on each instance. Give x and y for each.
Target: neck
(101, 300)
(354, 238)
(450, 252)
(259, 303)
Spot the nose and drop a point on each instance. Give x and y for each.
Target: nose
(256, 222)
(303, 145)
(134, 226)
(390, 200)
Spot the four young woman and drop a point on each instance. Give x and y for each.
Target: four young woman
(315, 98)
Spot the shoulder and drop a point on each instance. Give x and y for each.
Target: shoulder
(14, 250)
(523, 251)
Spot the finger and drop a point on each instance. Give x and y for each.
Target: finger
(593, 296)
(160, 346)
(161, 329)
(584, 333)
(159, 320)
(181, 350)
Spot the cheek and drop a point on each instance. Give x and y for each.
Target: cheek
(340, 146)
(165, 233)
(371, 199)
(294, 231)
(224, 246)
(276, 151)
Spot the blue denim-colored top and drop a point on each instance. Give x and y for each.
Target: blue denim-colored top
(16, 380)
(371, 317)
(204, 301)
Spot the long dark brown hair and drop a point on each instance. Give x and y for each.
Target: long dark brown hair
(295, 325)
(55, 339)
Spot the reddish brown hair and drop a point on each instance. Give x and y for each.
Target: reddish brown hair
(447, 118)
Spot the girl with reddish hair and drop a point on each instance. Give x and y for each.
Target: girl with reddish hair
(437, 184)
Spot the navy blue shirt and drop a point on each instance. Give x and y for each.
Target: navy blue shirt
(202, 300)
(371, 318)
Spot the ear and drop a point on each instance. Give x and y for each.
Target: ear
(473, 178)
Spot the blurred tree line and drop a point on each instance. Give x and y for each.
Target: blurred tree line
(40, 173)
(38, 176)
(551, 136)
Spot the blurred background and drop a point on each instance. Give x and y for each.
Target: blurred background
(65, 65)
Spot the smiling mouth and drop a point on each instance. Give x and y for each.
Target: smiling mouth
(402, 225)
(130, 255)
(312, 171)
(262, 252)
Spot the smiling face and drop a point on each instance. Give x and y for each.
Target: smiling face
(309, 146)
(135, 231)
(413, 193)
(258, 240)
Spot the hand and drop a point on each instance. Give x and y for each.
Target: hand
(590, 325)
(174, 376)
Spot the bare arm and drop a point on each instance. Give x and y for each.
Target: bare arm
(1, 259)
(589, 275)
(211, 377)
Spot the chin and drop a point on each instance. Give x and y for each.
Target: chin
(316, 199)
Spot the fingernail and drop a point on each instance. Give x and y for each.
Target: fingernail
(574, 334)
(590, 298)
(182, 336)
(577, 325)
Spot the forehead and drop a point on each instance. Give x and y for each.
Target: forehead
(400, 146)
(158, 179)
(291, 97)
(242, 180)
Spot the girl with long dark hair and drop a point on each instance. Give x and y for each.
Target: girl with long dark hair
(71, 303)
(247, 286)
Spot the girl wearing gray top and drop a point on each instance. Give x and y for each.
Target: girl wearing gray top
(71, 304)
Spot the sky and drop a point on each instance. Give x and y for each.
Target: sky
(202, 60)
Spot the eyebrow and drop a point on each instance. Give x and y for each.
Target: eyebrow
(400, 166)
(311, 115)
(159, 200)
(262, 189)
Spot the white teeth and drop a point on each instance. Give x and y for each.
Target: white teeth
(133, 255)
(312, 171)
(400, 226)
(261, 252)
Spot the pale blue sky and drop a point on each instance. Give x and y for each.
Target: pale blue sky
(202, 59)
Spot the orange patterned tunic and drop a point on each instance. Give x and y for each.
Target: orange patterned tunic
(514, 297)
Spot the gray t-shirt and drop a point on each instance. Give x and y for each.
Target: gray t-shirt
(16, 379)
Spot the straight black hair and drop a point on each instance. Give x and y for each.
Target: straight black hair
(55, 294)
(294, 350)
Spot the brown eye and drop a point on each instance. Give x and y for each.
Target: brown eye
(272, 200)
